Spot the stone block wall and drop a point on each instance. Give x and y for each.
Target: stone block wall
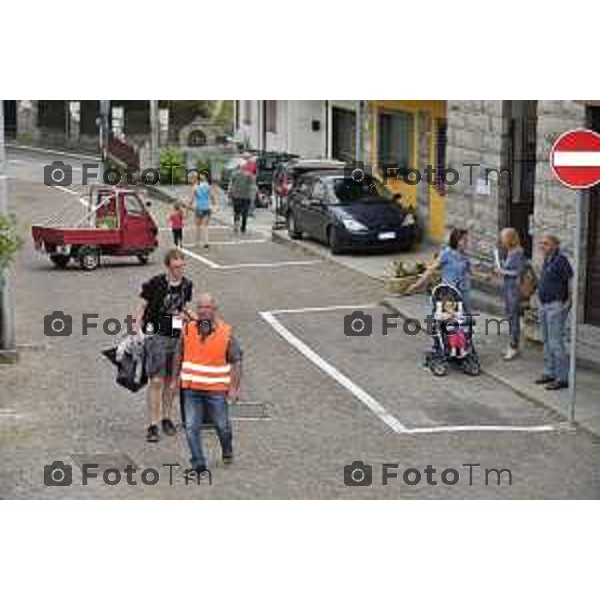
(475, 136)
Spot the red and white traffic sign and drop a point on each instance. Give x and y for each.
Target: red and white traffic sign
(575, 158)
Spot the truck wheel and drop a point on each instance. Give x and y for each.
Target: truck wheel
(143, 257)
(60, 260)
(89, 258)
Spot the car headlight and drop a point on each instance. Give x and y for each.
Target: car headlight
(408, 220)
(353, 225)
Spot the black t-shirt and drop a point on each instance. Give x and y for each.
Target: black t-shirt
(164, 300)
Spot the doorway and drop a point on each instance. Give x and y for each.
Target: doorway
(520, 142)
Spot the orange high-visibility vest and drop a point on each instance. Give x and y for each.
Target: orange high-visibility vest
(204, 366)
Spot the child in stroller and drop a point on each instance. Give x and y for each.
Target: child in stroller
(452, 333)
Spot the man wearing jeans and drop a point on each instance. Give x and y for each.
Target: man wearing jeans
(208, 369)
(555, 302)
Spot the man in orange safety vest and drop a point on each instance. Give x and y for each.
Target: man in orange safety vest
(208, 369)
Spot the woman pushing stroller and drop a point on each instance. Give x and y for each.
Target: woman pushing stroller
(452, 332)
(455, 267)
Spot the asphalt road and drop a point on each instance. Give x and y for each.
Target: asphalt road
(313, 401)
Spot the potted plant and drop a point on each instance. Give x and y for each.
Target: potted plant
(531, 324)
(9, 243)
(400, 275)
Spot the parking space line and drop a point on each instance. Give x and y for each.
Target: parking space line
(366, 398)
(321, 309)
(202, 259)
(214, 265)
(288, 263)
(459, 428)
(328, 368)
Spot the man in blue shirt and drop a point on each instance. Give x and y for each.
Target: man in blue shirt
(554, 291)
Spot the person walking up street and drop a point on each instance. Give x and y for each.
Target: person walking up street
(208, 369)
(511, 268)
(176, 224)
(203, 199)
(160, 313)
(243, 189)
(554, 292)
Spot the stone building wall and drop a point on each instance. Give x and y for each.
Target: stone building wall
(475, 137)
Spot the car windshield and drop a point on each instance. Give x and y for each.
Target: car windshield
(344, 190)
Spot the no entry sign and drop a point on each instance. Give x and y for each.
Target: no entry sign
(575, 158)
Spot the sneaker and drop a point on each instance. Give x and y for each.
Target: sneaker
(152, 434)
(511, 353)
(544, 379)
(168, 427)
(557, 385)
(195, 472)
(227, 458)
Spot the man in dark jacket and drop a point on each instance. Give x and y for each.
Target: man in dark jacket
(554, 291)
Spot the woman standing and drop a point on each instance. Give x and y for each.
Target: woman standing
(511, 265)
(202, 201)
(455, 267)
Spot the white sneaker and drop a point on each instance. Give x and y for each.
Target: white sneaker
(511, 353)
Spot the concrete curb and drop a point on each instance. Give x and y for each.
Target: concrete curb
(502, 380)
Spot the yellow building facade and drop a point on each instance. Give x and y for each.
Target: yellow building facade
(410, 135)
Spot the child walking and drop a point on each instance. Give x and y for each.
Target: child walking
(176, 224)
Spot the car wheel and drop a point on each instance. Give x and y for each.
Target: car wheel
(143, 257)
(292, 227)
(89, 258)
(334, 244)
(60, 260)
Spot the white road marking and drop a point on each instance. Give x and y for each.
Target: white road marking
(321, 309)
(64, 189)
(214, 265)
(576, 159)
(365, 397)
(458, 428)
(202, 259)
(328, 368)
(288, 263)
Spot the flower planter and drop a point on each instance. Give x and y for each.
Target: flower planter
(399, 285)
(531, 326)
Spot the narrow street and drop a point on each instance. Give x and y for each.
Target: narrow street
(313, 400)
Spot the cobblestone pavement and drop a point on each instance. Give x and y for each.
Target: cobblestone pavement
(330, 400)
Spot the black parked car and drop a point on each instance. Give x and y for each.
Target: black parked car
(347, 214)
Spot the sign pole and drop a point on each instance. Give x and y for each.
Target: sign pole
(7, 325)
(574, 307)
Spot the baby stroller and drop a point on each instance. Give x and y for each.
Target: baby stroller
(451, 333)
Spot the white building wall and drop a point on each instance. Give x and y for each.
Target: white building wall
(294, 126)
